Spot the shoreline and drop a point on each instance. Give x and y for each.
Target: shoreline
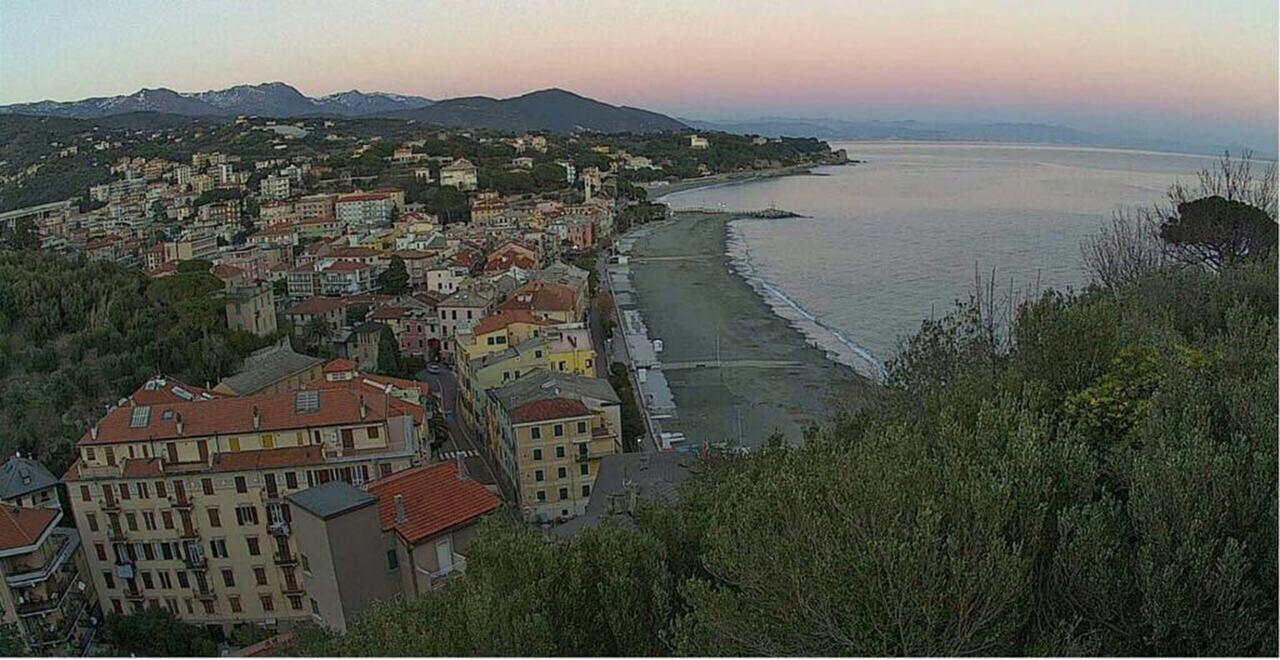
(658, 193)
(731, 368)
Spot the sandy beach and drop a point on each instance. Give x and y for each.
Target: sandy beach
(738, 371)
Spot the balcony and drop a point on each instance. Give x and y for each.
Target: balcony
(133, 593)
(110, 504)
(50, 601)
(116, 533)
(189, 533)
(62, 631)
(591, 455)
(294, 589)
(285, 558)
(203, 593)
(280, 528)
(196, 562)
(442, 577)
(180, 501)
(67, 539)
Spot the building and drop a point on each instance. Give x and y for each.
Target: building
(548, 432)
(317, 208)
(272, 369)
(184, 507)
(460, 174)
(402, 535)
(698, 142)
(26, 483)
(47, 594)
(360, 344)
(365, 210)
(564, 349)
(275, 187)
(224, 212)
(461, 311)
(497, 332)
(251, 308)
(347, 278)
(547, 299)
(191, 247)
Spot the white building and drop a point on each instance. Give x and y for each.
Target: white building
(460, 174)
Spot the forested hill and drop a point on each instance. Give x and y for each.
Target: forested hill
(75, 338)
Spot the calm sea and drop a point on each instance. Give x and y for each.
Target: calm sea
(898, 239)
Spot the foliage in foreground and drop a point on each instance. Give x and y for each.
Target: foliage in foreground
(155, 632)
(1101, 479)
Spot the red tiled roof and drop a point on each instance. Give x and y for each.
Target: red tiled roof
(539, 295)
(225, 271)
(141, 468)
(504, 318)
(546, 409)
(20, 526)
(388, 313)
(358, 384)
(338, 365)
(168, 393)
(277, 412)
(345, 252)
(347, 266)
(362, 197)
(267, 459)
(435, 499)
(315, 306)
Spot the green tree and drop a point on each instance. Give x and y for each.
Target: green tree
(1216, 232)
(395, 279)
(389, 359)
(155, 632)
(316, 332)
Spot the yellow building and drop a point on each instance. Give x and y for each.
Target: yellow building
(251, 308)
(181, 502)
(497, 332)
(547, 432)
(559, 349)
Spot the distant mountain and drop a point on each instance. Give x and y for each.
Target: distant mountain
(267, 99)
(836, 129)
(550, 110)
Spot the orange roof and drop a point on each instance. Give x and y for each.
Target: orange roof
(502, 319)
(376, 388)
(316, 305)
(338, 365)
(362, 197)
(141, 468)
(435, 499)
(276, 412)
(539, 295)
(172, 390)
(267, 459)
(349, 252)
(20, 526)
(546, 409)
(347, 266)
(388, 313)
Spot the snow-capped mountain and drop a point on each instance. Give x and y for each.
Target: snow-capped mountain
(356, 102)
(273, 99)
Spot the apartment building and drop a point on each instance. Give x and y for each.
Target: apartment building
(251, 308)
(548, 432)
(46, 596)
(365, 209)
(565, 349)
(181, 504)
(316, 208)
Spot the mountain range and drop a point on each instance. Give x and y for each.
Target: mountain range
(550, 109)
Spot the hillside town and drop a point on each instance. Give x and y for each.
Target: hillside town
(420, 366)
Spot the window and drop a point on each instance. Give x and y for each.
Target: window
(131, 521)
(542, 496)
(85, 493)
(291, 479)
(149, 520)
(537, 475)
(233, 444)
(564, 493)
(207, 485)
(582, 427)
(560, 451)
(384, 469)
(215, 518)
(166, 551)
(348, 441)
(109, 579)
(218, 548)
(166, 582)
(93, 521)
(144, 491)
(268, 441)
(124, 491)
(235, 604)
(260, 576)
(149, 552)
(101, 550)
(161, 491)
(584, 469)
(115, 605)
(586, 490)
(147, 582)
(562, 472)
(228, 577)
(252, 542)
(315, 607)
(208, 606)
(537, 454)
(182, 580)
(246, 514)
(393, 560)
(536, 433)
(89, 454)
(267, 605)
(306, 564)
(242, 486)
(538, 354)
(372, 432)
(166, 519)
(557, 430)
(295, 602)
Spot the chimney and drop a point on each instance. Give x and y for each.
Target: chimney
(364, 410)
(401, 516)
(93, 432)
(178, 419)
(257, 418)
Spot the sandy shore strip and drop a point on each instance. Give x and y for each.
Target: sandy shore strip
(730, 370)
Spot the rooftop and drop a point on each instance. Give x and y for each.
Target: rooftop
(541, 384)
(22, 475)
(331, 499)
(267, 366)
(316, 305)
(435, 499)
(21, 526)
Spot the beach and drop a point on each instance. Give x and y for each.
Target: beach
(738, 372)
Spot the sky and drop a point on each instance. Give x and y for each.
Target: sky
(1191, 70)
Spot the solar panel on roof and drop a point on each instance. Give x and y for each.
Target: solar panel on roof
(141, 416)
(306, 400)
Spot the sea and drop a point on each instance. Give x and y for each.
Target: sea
(900, 237)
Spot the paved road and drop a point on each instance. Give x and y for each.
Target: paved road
(460, 443)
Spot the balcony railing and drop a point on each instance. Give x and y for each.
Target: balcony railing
(109, 504)
(180, 501)
(285, 558)
(35, 606)
(280, 528)
(133, 593)
(68, 541)
(203, 593)
(65, 628)
(441, 577)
